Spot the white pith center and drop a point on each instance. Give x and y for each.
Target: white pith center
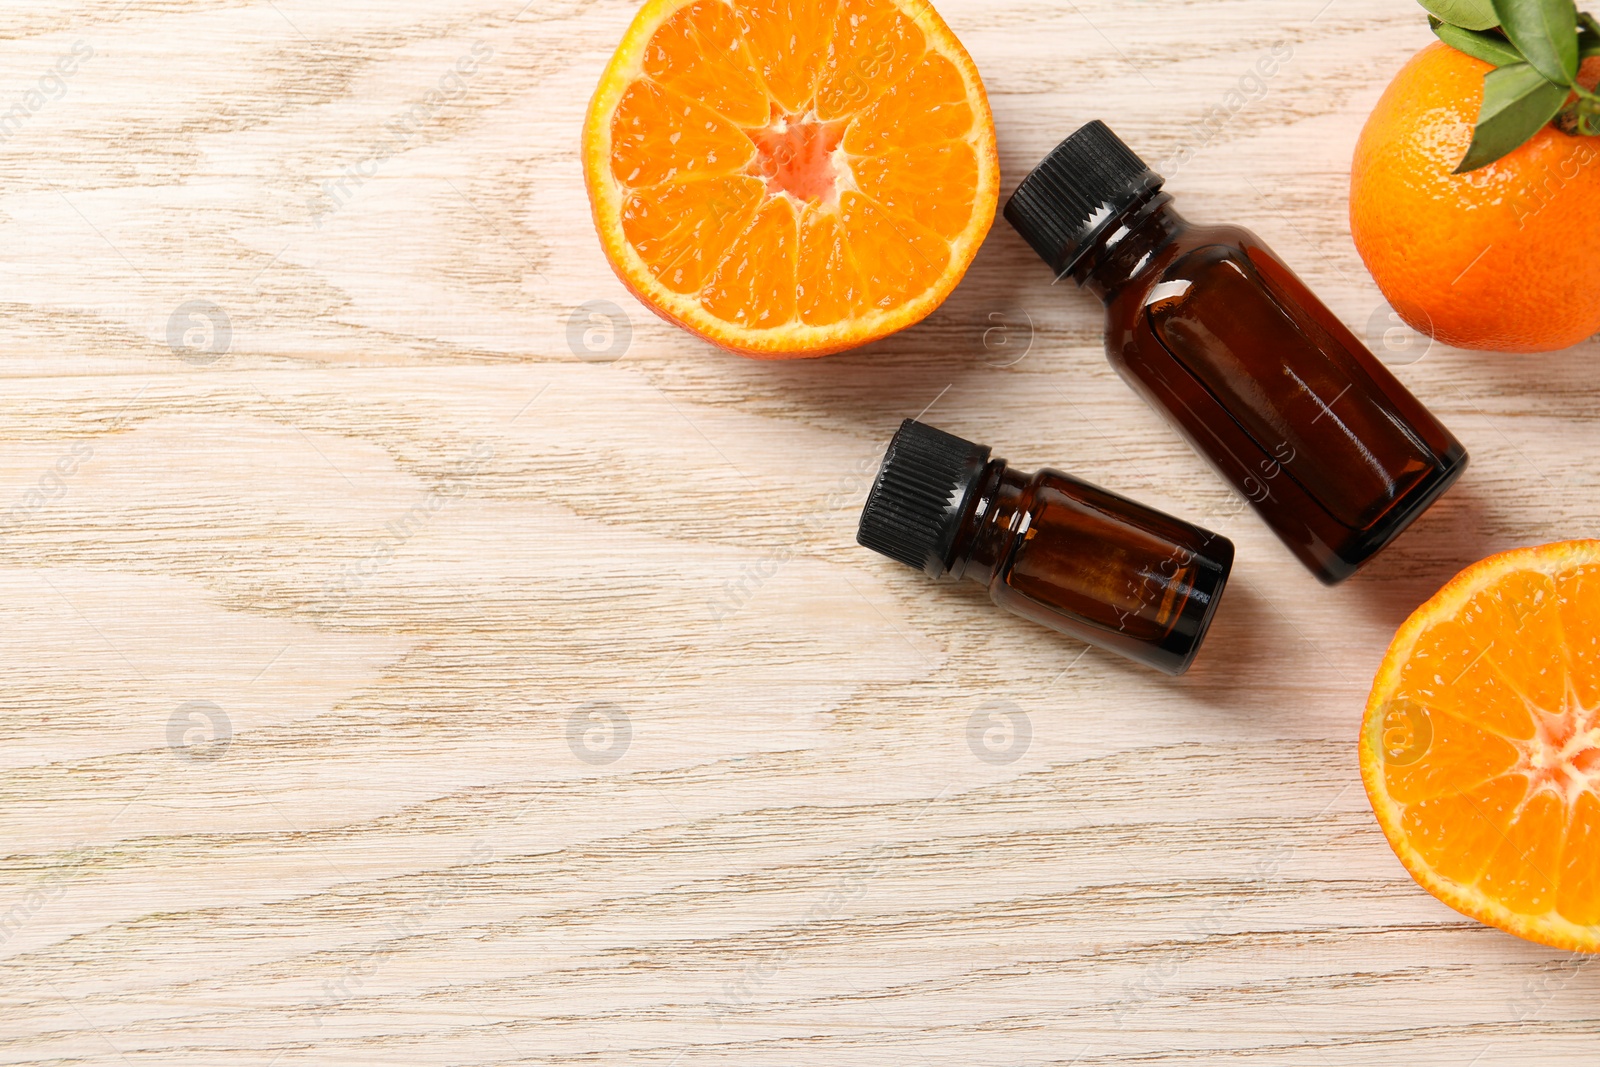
(803, 158)
(1563, 755)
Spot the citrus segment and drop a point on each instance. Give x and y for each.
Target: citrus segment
(928, 107)
(1447, 671)
(1515, 876)
(662, 137)
(789, 41)
(1457, 834)
(699, 53)
(1528, 644)
(754, 285)
(1580, 623)
(1578, 899)
(874, 45)
(899, 181)
(1480, 749)
(829, 287)
(791, 178)
(1456, 754)
(896, 257)
(681, 230)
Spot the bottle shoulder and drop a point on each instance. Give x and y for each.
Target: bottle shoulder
(1192, 253)
(1196, 237)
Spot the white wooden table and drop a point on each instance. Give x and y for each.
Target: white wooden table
(387, 684)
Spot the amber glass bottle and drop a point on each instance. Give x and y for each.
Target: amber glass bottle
(1049, 547)
(1221, 337)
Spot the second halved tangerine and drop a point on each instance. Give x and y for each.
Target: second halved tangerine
(1480, 749)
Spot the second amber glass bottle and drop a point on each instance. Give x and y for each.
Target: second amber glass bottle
(1221, 337)
(1048, 546)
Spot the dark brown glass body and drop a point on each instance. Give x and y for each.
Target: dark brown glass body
(1266, 383)
(1092, 564)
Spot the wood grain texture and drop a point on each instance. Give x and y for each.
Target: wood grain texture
(387, 684)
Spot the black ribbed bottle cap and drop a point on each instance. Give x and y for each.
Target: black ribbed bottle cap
(915, 506)
(1090, 179)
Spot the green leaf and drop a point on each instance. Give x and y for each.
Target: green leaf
(1517, 103)
(1545, 32)
(1588, 36)
(1489, 47)
(1468, 14)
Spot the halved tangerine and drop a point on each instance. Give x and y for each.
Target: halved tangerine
(791, 177)
(1480, 748)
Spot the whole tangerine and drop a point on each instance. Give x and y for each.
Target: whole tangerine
(1502, 258)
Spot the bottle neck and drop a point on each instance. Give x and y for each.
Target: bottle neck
(991, 523)
(1128, 246)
